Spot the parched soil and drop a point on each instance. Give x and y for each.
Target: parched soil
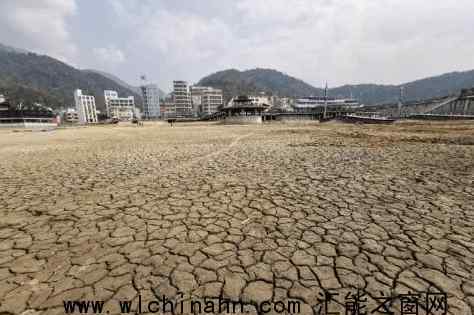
(279, 212)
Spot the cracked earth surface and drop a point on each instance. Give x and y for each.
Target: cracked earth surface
(274, 212)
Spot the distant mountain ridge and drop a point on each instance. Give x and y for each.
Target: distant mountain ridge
(234, 82)
(12, 49)
(427, 88)
(28, 77)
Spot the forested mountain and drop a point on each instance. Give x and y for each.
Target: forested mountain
(28, 77)
(235, 82)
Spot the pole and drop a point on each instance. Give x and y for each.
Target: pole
(325, 100)
(400, 102)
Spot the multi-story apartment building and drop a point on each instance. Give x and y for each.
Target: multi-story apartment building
(205, 100)
(85, 106)
(122, 108)
(151, 101)
(181, 99)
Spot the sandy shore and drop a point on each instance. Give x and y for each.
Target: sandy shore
(273, 212)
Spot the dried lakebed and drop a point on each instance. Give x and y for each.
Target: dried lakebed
(250, 213)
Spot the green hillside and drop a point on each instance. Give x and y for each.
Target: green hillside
(29, 77)
(234, 82)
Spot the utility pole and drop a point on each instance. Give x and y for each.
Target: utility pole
(325, 100)
(400, 101)
(143, 89)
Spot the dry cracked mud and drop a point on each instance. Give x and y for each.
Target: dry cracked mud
(250, 213)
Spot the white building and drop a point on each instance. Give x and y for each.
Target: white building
(85, 106)
(206, 100)
(71, 115)
(311, 102)
(181, 99)
(262, 98)
(122, 108)
(259, 100)
(151, 101)
(197, 93)
(255, 100)
(285, 103)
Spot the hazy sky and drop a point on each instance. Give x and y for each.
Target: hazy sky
(344, 41)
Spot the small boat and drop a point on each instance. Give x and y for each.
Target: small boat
(366, 119)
